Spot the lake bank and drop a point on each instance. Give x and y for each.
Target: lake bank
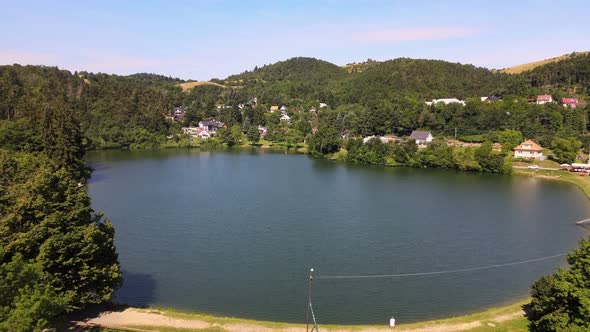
(508, 318)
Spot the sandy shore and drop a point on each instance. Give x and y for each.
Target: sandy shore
(151, 320)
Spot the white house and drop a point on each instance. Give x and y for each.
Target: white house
(322, 105)
(544, 99)
(384, 139)
(421, 137)
(190, 130)
(528, 150)
(446, 101)
(285, 118)
(204, 134)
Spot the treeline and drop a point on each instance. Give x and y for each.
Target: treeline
(56, 253)
(436, 155)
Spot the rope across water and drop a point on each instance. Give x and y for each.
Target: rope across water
(401, 275)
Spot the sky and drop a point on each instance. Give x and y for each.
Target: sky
(208, 39)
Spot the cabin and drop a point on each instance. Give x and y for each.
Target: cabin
(569, 102)
(529, 150)
(421, 137)
(445, 101)
(262, 130)
(273, 109)
(544, 99)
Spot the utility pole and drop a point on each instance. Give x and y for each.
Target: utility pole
(309, 299)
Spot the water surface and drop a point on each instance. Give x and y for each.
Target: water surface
(236, 233)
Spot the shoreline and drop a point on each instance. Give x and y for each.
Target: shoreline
(508, 318)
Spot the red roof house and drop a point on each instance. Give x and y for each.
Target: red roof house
(569, 102)
(543, 99)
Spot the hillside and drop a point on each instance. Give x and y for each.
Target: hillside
(189, 85)
(529, 66)
(424, 79)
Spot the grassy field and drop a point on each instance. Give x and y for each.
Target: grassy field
(189, 85)
(531, 65)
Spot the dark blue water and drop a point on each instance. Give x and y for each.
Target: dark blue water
(236, 233)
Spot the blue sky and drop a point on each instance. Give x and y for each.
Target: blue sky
(216, 38)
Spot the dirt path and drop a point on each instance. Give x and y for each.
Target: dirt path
(150, 321)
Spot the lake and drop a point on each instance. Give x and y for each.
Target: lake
(235, 234)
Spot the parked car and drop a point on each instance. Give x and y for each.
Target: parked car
(534, 167)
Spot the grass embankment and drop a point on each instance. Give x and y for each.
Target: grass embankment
(583, 182)
(509, 319)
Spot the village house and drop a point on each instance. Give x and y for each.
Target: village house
(193, 131)
(211, 125)
(421, 137)
(313, 110)
(285, 118)
(489, 99)
(323, 105)
(529, 150)
(283, 108)
(446, 101)
(569, 102)
(273, 109)
(203, 134)
(544, 99)
(262, 130)
(384, 139)
(178, 113)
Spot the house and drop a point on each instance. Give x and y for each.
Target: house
(262, 130)
(544, 99)
(285, 118)
(193, 131)
(273, 109)
(283, 108)
(203, 134)
(384, 139)
(313, 110)
(421, 137)
(529, 150)
(211, 125)
(446, 101)
(323, 105)
(569, 102)
(178, 113)
(489, 99)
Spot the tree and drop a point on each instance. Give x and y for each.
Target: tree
(561, 301)
(236, 134)
(27, 302)
(325, 140)
(509, 139)
(566, 150)
(253, 135)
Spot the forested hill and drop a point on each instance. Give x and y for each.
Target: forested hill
(129, 111)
